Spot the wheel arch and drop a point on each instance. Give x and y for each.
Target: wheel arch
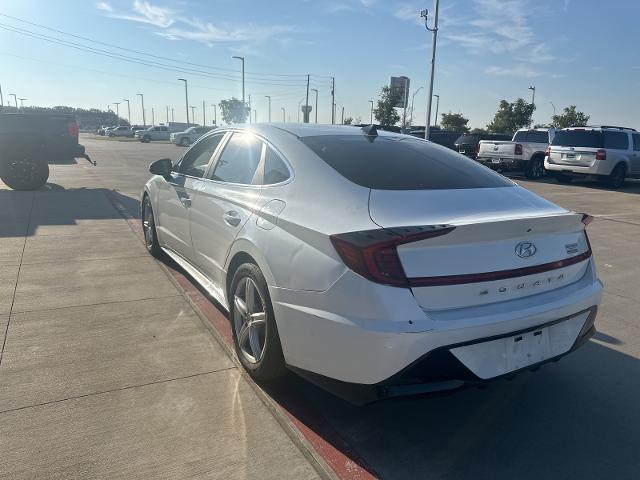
(244, 251)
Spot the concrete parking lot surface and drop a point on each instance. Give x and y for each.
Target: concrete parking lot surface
(107, 370)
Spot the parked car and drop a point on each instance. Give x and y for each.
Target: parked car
(102, 130)
(467, 143)
(384, 277)
(135, 128)
(525, 153)
(609, 154)
(120, 131)
(441, 137)
(158, 132)
(189, 136)
(28, 142)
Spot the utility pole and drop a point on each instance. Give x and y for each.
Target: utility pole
(204, 116)
(316, 90)
(172, 119)
(371, 122)
(283, 115)
(22, 102)
(186, 98)
(333, 100)
(306, 103)
(117, 104)
(241, 59)
(167, 114)
(193, 113)
(153, 117)
(144, 121)
(215, 114)
(412, 99)
(434, 32)
(533, 103)
(437, 107)
(15, 98)
(269, 97)
(342, 122)
(128, 110)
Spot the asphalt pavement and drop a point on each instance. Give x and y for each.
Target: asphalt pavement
(108, 371)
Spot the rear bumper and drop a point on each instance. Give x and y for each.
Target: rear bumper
(391, 332)
(600, 167)
(503, 164)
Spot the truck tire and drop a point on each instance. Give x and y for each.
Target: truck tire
(535, 168)
(27, 172)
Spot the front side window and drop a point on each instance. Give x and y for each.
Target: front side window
(239, 160)
(197, 159)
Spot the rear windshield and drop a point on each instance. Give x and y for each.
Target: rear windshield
(401, 163)
(533, 136)
(468, 139)
(578, 138)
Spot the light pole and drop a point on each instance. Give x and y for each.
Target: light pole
(342, 122)
(316, 90)
(412, 99)
(22, 102)
(144, 120)
(434, 32)
(215, 114)
(172, 117)
(241, 59)
(15, 98)
(554, 108)
(371, 121)
(193, 112)
(128, 110)
(153, 116)
(117, 104)
(269, 97)
(283, 115)
(204, 115)
(186, 98)
(167, 114)
(437, 106)
(533, 103)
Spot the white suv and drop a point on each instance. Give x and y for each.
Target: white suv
(607, 153)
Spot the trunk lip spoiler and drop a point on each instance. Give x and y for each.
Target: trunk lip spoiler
(466, 278)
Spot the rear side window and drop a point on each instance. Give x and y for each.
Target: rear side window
(239, 160)
(616, 140)
(401, 163)
(275, 170)
(636, 141)
(578, 138)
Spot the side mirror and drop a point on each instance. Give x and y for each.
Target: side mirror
(161, 167)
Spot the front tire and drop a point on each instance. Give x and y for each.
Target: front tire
(535, 169)
(27, 172)
(149, 229)
(146, 139)
(255, 334)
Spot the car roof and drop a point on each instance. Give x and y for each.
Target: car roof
(302, 130)
(601, 127)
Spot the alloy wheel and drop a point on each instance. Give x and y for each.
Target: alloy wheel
(148, 225)
(249, 320)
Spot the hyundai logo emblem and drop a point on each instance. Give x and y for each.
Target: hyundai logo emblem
(526, 249)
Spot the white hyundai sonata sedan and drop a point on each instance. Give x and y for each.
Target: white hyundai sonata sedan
(372, 261)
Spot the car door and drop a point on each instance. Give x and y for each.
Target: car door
(225, 201)
(175, 196)
(635, 155)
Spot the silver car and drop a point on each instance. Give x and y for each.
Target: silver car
(189, 136)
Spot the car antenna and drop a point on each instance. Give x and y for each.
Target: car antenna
(370, 130)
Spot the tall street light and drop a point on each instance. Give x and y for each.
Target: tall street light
(117, 104)
(128, 110)
(144, 118)
(413, 97)
(193, 113)
(533, 103)
(15, 98)
(283, 115)
(434, 32)
(215, 114)
(241, 59)
(371, 121)
(316, 90)
(186, 98)
(204, 115)
(22, 102)
(269, 97)
(437, 107)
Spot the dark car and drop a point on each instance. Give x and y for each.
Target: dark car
(445, 138)
(467, 144)
(28, 142)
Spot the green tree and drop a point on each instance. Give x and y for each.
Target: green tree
(385, 113)
(348, 121)
(570, 117)
(511, 116)
(479, 131)
(455, 122)
(234, 110)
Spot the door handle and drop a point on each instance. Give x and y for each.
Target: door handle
(231, 218)
(186, 201)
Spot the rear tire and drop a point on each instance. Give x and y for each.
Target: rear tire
(255, 333)
(184, 142)
(565, 179)
(27, 172)
(616, 179)
(146, 139)
(149, 229)
(535, 168)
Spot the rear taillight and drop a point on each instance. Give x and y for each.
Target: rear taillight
(477, 148)
(72, 129)
(518, 150)
(601, 154)
(547, 152)
(374, 255)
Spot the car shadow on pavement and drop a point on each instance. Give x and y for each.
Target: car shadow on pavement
(578, 418)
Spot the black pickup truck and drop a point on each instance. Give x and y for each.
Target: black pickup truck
(28, 142)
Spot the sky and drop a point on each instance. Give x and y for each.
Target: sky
(574, 52)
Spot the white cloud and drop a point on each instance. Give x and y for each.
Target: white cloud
(104, 6)
(144, 12)
(518, 70)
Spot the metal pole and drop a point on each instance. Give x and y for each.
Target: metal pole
(167, 114)
(1, 99)
(241, 59)
(306, 103)
(434, 31)
(172, 118)
(533, 103)
(342, 115)
(554, 108)
(144, 120)
(333, 100)
(204, 116)
(193, 113)
(371, 121)
(413, 97)
(437, 107)
(299, 108)
(128, 110)
(269, 97)
(15, 99)
(316, 90)
(186, 98)
(255, 116)
(283, 115)
(117, 104)
(153, 117)
(215, 114)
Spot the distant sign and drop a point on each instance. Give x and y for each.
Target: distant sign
(306, 108)
(401, 85)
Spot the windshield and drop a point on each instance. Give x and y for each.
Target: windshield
(396, 163)
(578, 138)
(468, 139)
